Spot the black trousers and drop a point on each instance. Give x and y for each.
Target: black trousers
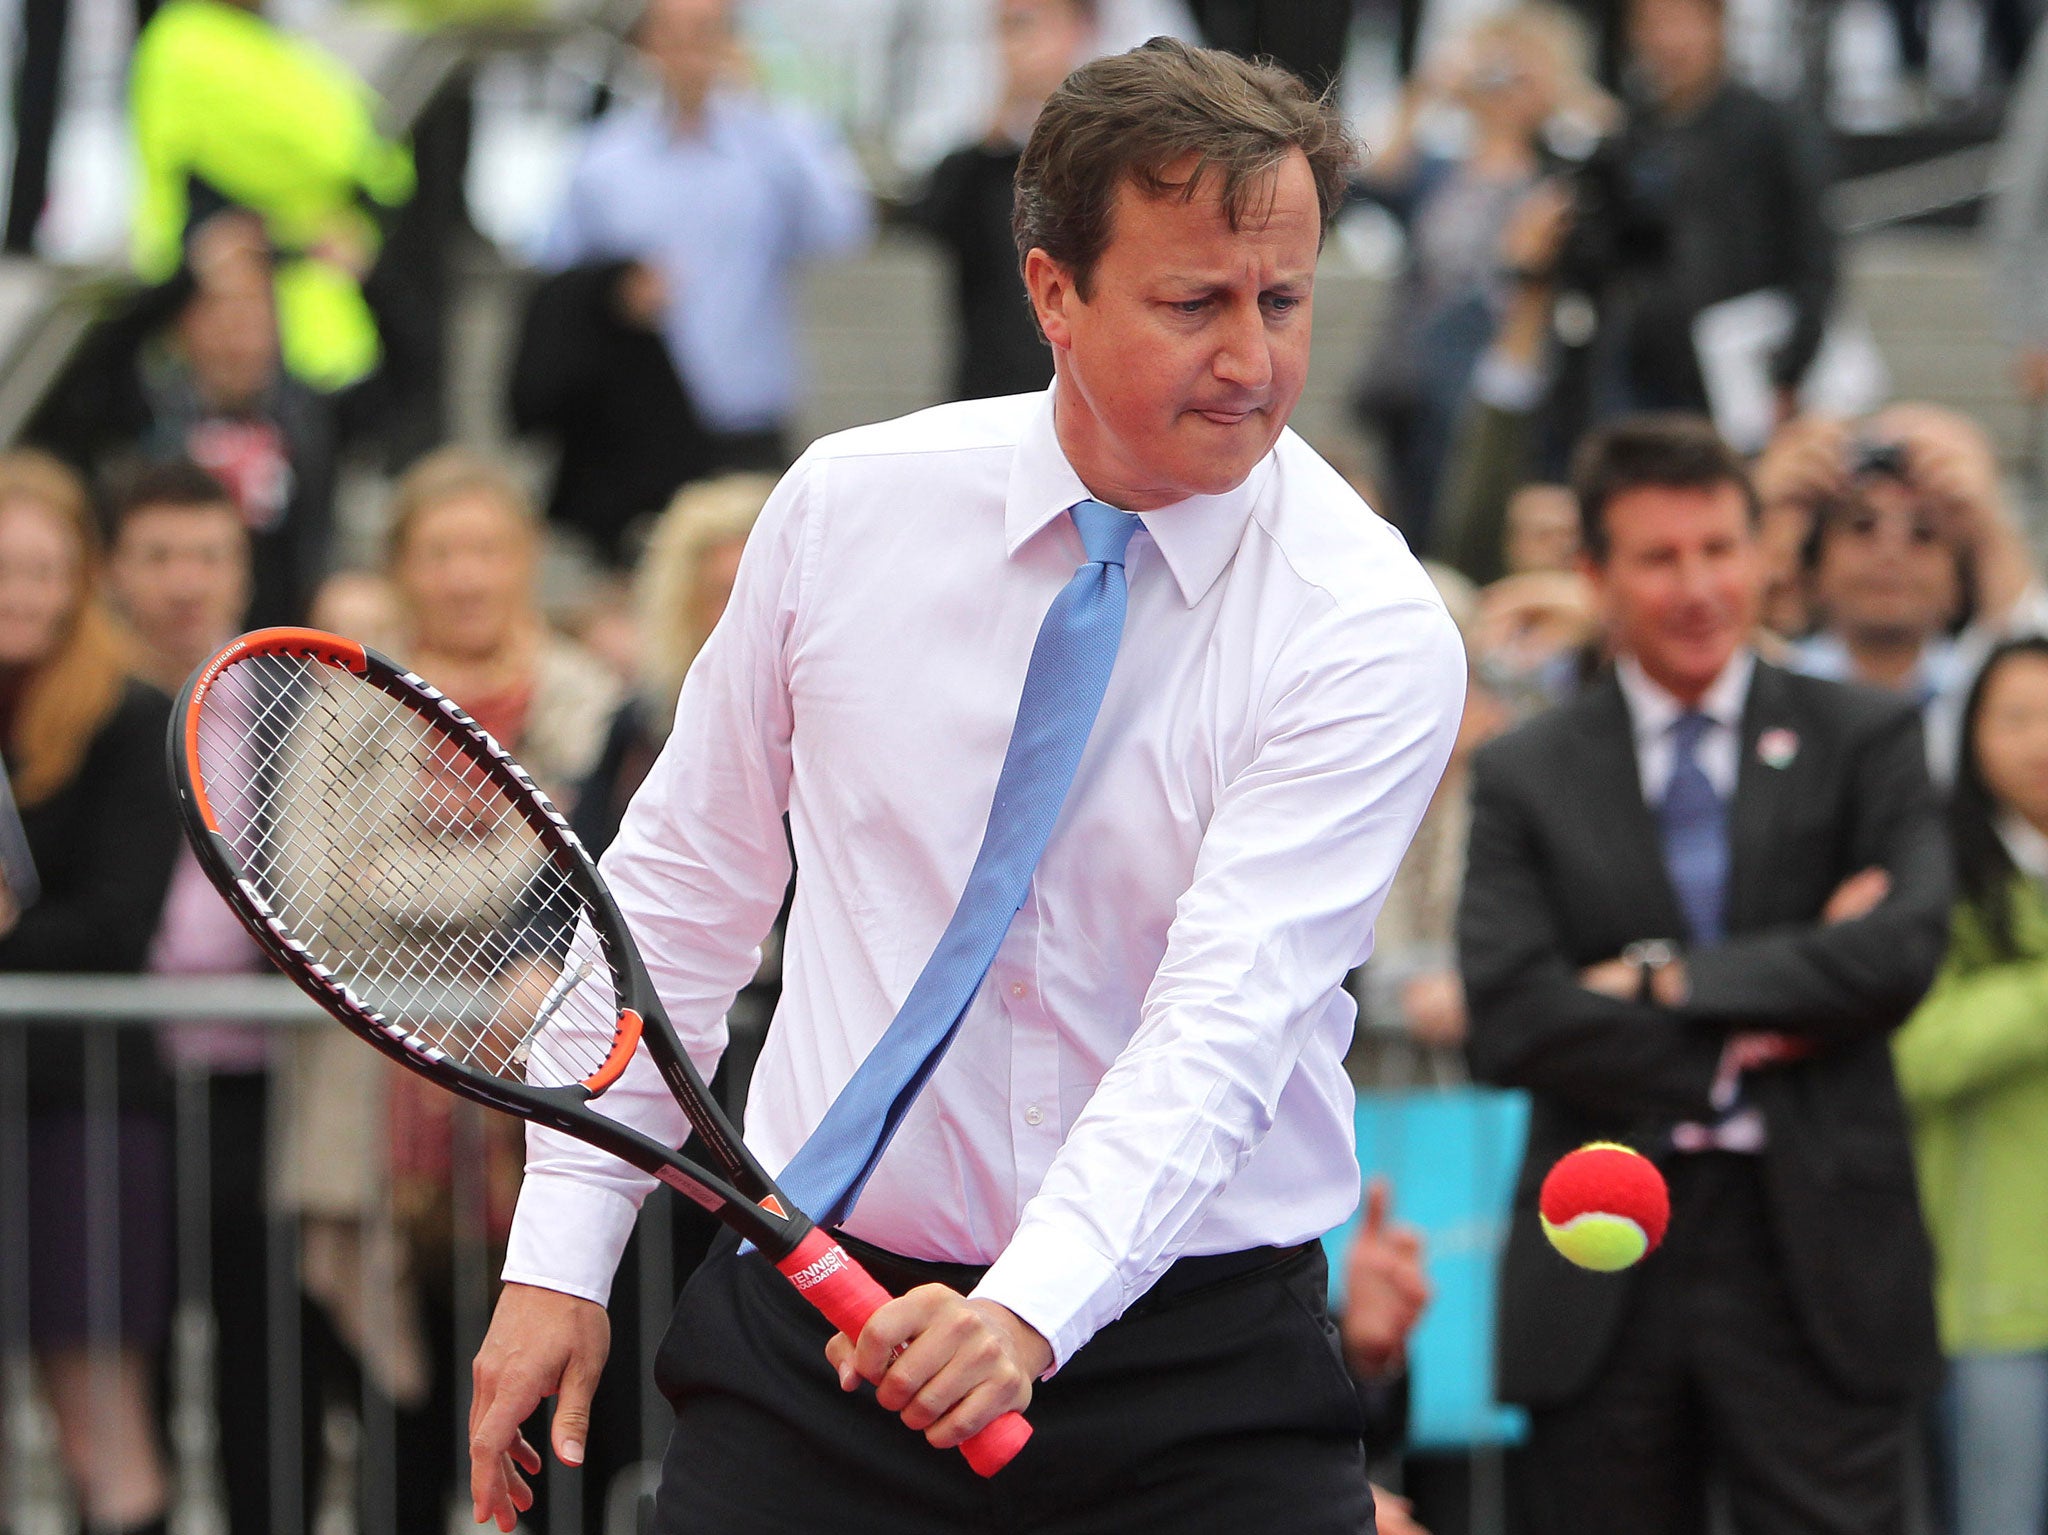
(1223, 1409)
(38, 93)
(238, 1135)
(406, 1462)
(1307, 37)
(1711, 1376)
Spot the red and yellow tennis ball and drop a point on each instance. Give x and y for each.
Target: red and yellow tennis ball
(1604, 1206)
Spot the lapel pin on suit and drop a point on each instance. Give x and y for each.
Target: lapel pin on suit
(1776, 748)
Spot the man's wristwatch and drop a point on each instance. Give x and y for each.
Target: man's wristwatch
(1649, 956)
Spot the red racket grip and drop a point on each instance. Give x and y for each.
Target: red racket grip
(847, 1294)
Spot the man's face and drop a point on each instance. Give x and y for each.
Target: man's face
(1042, 40)
(1179, 369)
(1682, 582)
(229, 337)
(466, 571)
(1543, 528)
(1887, 570)
(181, 574)
(688, 42)
(1679, 45)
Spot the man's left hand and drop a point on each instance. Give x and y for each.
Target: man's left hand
(1385, 1290)
(948, 1366)
(1394, 1515)
(1622, 980)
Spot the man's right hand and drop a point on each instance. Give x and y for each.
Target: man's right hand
(1805, 464)
(541, 1343)
(1756, 1049)
(1857, 896)
(642, 295)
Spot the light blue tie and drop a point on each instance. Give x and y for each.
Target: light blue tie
(1063, 688)
(1694, 822)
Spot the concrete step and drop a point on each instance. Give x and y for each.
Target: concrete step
(878, 333)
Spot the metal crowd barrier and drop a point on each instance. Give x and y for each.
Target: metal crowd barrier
(353, 1445)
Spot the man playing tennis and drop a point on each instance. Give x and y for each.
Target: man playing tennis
(1103, 1200)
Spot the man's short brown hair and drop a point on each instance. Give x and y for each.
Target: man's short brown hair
(1136, 116)
(1661, 451)
(147, 484)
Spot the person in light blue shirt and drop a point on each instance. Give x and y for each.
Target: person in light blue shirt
(685, 221)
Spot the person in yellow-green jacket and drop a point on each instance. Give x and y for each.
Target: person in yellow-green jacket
(1973, 1066)
(230, 112)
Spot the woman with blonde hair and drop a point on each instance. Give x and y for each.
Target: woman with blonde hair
(1510, 78)
(679, 592)
(369, 1152)
(83, 741)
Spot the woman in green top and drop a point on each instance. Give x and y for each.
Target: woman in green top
(1973, 1063)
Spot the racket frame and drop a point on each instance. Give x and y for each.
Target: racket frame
(743, 1195)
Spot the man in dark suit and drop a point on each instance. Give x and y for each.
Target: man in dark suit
(1700, 896)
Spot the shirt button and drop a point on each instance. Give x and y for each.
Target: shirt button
(1019, 989)
(1033, 1115)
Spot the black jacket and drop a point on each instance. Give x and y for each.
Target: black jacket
(128, 395)
(103, 846)
(1739, 189)
(608, 394)
(967, 207)
(1565, 871)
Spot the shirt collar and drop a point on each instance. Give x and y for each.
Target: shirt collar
(1197, 537)
(1939, 667)
(2024, 845)
(711, 128)
(1653, 711)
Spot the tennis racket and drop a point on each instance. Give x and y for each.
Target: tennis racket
(393, 860)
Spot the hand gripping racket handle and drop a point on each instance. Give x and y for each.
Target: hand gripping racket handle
(847, 1294)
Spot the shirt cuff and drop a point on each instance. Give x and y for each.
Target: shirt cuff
(568, 1235)
(1059, 1285)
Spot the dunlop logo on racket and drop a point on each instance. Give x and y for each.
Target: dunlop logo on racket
(392, 859)
(461, 718)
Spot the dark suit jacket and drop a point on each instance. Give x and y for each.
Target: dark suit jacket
(1566, 870)
(606, 390)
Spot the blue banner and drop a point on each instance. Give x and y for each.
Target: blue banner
(1450, 1156)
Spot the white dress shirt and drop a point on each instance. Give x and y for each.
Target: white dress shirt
(2024, 845)
(1151, 1068)
(1652, 712)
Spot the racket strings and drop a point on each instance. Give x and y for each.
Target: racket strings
(383, 847)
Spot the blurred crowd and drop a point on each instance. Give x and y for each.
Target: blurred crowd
(1592, 206)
